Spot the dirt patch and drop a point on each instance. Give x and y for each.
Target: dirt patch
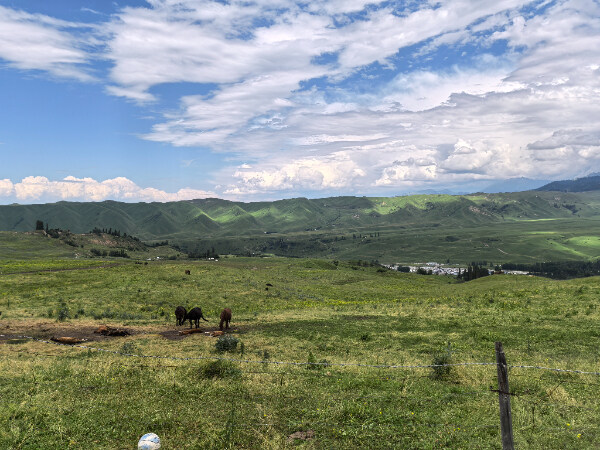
(47, 330)
(105, 330)
(303, 435)
(173, 335)
(41, 329)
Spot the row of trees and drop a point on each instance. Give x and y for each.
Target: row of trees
(110, 231)
(473, 272)
(203, 254)
(115, 253)
(559, 270)
(52, 232)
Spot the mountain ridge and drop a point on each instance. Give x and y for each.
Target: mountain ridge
(584, 184)
(218, 217)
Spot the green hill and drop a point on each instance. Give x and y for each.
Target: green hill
(523, 226)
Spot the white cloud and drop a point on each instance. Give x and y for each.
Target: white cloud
(466, 157)
(87, 189)
(572, 138)
(6, 188)
(258, 69)
(279, 89)
(38, 42)
(408, 171)
(422, 90)
(334, 171)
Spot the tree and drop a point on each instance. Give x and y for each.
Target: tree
(39, 225)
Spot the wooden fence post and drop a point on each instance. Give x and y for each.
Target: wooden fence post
(504, 397)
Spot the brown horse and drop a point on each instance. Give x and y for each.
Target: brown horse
(225, 318)
(180, 313)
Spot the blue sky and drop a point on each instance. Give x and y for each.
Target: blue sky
(165, 100)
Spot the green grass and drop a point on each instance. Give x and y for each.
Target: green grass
(314, 311)
(15, 245)
(32, 246)
(516, 241)
(35, 265)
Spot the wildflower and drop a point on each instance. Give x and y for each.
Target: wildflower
(579, 436)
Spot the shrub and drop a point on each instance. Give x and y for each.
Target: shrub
(226, 343)
(441, 370)
(130, 348)
(63, 312)
(219, 369)
(118, 254)
(313, 364)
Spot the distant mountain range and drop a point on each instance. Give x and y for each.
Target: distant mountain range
(213, 217)
(516, 227)
(585, 184)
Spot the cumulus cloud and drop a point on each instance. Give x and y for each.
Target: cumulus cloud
(35, 188)
(6, 188)
(408, 171)
(334, 171)
(466, 157)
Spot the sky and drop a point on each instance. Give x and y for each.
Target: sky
(166, 100)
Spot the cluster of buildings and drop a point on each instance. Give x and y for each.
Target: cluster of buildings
(439, 269)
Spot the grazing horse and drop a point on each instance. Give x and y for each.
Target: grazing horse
(180, 313)
(195, 314)
(225, 318)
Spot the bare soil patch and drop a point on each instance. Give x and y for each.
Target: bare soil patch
(41, 329)
(47, 330)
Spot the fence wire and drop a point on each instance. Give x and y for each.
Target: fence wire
(296, 363)
(250, 361)
(585, 429)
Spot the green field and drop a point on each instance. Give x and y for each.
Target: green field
(315, 311)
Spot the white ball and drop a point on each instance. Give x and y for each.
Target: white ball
(149, 441)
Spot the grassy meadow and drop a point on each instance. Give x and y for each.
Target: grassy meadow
(314, 312)
(525, 241)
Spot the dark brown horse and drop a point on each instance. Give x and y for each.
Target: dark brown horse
(225, 318)
(195, 314)
(180, 313)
